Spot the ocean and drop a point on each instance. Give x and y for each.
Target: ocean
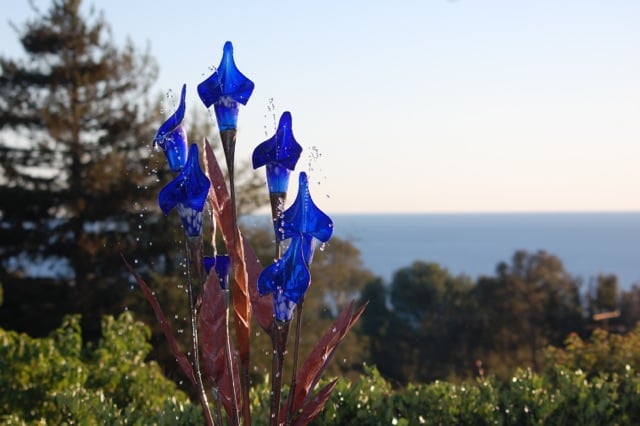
(473, 244)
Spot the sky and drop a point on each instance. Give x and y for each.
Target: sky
(418, 106)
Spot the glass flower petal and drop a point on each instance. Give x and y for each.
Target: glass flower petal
(171, 137)
(304, 217)
(225, 89)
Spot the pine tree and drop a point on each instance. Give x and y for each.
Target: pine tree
(74, 149)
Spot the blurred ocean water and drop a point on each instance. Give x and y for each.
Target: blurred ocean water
(473, 244)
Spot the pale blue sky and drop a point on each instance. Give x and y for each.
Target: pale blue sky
(421, 106)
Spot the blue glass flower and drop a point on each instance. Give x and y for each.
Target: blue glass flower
(280, 154)
(221, 264)
(225, 89)
(304, 217)
(288, 278)
(171, 137)
(188, 192)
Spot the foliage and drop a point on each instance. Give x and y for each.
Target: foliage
(526, 399)
(630, 307)
(429, 324)
(57, 379)
(606, 293)
(601, 352)
(531, 303)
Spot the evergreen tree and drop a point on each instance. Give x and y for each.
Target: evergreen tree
(74, 147)
(606, 294)
(435, 307)
(629, 307)
(532, 302)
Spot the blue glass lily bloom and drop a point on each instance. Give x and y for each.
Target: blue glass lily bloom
(280, 154)
(288, 278)
(171, 137)
(304, 217)
(225, 89)
(188, 193)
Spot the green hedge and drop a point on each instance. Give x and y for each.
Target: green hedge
(57, 380)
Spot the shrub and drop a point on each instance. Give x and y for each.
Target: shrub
(54, 380)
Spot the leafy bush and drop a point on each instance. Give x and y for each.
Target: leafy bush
(527, 399)
(602, 352)
(56, 380)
